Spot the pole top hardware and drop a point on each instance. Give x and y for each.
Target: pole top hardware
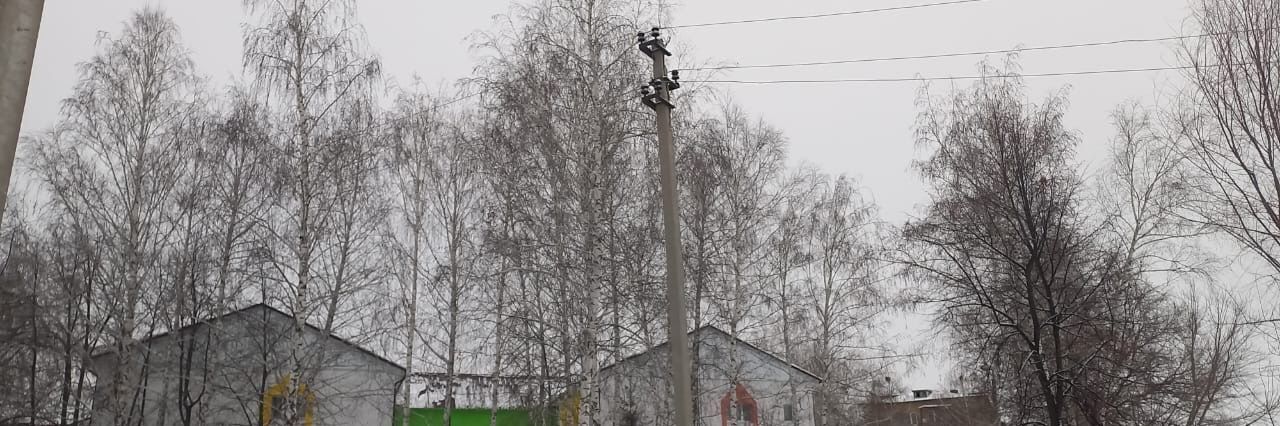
(659, 95)
(651, 42)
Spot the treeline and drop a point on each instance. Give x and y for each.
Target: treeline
(1098, 300)
(509, 227)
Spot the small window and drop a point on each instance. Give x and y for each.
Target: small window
(745, 412)
(789, 412)
(915, 418)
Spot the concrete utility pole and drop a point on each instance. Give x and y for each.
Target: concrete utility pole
(19, 26)
(677, 338)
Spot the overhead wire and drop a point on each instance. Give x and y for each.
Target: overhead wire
(954, 78)
(457, 99)
(946, 55)
(434, 106)
(928, 56)
(822, 15)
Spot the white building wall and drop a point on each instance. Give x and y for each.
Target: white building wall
(247, 352)
(641, 385)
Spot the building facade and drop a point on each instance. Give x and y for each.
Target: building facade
(735, 383)
(237, 369)
(930, 408)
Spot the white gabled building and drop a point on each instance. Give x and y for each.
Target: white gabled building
(231, 368)
(736, 384)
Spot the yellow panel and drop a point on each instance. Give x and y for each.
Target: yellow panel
(279, 389)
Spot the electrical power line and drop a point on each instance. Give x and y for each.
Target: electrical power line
(975, 53)
(434, 106)
(953, 78)
(457, 99)
(822, 15)
(947, 55)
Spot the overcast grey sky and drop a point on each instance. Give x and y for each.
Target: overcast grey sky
(863, 129)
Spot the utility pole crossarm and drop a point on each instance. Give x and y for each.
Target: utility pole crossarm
(657, 95)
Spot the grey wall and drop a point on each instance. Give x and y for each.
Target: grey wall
(642, 384)
(216, 374)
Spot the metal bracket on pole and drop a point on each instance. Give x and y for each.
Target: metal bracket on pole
(652, 45)
(660, 93)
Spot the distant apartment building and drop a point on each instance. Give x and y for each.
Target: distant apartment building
(927, 407)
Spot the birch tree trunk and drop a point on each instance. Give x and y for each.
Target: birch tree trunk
(310, 54)
(114, 167)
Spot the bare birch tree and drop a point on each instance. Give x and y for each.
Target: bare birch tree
(738, 163)
(1231, 128)
(309, 56)
(523, 335)
(577, 137)
(237, 158)
(455, 199)
(1228, 128)
(67, 268)
(1144, 192)
(844, 292)
(113, 167)
(414, 128)
(348, 260)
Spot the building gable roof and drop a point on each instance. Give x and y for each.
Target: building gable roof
(712, 329)
(259, 306)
